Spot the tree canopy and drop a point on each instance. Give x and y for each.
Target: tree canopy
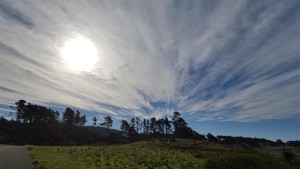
(35, 124)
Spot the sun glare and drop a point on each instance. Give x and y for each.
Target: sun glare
(79, 54)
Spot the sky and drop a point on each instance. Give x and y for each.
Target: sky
(229, 67)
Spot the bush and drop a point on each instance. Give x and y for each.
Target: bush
(243, 161)
(29, 148)
(288, 155)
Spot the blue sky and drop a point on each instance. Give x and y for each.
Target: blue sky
(229, 67)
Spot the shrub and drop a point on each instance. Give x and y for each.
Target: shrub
(288, 155)
(243, 161)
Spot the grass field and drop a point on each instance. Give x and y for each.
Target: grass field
(163, 154)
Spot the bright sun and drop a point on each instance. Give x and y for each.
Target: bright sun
(79, 54)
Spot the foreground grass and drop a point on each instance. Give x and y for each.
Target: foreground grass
(164, 154)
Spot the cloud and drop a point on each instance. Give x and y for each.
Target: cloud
(15, 15)
(221, 60)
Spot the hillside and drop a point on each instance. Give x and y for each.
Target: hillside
(165, 153)
(101, 130)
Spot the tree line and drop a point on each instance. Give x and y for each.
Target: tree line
(35, 124)
(39, 125)
(140, 129)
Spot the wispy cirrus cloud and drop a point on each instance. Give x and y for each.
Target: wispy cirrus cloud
(221, 60)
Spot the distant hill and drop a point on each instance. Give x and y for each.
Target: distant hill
(101, 130)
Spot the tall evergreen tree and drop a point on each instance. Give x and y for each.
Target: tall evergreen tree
(77, 119)
(108, 122)
(167, 126)
(161, 126)
(82, 120)
(68, 117)
(138, 124)
(128, 131)
(153, 126)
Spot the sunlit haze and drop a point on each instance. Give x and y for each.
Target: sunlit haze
(79, 53)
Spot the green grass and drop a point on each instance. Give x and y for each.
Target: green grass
(164, 154)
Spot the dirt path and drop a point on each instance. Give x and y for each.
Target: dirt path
(14, 157)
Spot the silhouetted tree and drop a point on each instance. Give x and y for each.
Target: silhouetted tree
(180, 126)
(161, 126)
(176, 116)
(77, 119)
(108, 121)
(94, 121)
(138, 124)
(20, 114)
(82, 120)
(153, 126)
(132, 123)
(68, 117)
(145, 127)
(125, 128)
(37, 124)
(168, 126)
(211, 138)
(128, 131)
(279, 142)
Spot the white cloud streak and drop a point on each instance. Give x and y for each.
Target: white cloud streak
(201, 58)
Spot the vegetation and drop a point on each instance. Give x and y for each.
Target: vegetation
(108, 122)
(39, 125)
(161, 153)
(146, 129)
(154, 143)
